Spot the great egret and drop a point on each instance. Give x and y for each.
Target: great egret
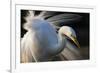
(42, 43)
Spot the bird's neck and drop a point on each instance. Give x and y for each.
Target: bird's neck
(61, 43)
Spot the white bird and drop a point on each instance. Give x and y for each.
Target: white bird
(42, 43)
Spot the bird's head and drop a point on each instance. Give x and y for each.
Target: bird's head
(69, 33)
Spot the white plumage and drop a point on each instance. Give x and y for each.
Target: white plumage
(42, 43)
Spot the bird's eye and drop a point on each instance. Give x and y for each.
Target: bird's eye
(71, 35)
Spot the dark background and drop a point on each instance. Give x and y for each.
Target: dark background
(81, 28)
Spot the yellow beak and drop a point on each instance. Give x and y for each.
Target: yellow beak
(74, 39)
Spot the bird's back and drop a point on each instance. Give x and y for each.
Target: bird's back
(45, 33)
(45, 38)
